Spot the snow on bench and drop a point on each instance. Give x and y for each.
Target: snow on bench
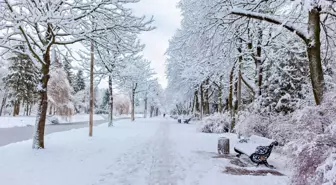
(258, 149)
(185, 119)
(252, 143)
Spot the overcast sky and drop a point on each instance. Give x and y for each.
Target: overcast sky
(167, 20)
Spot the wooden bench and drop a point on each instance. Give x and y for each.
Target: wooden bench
(257, 148)
(187, 121)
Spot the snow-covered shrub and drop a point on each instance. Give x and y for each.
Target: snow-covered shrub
(309, 136)
(326, 173)
(216, 123)
(252, 124)
(314, 160)
(314, 143)
(310, 158)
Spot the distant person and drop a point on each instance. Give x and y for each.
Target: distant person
(164, 115)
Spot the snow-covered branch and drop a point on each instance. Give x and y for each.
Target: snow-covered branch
(272, 19)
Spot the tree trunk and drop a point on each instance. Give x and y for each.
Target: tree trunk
(50, 109)
(202, 100)
(197, 102)
(151, 111)
(220, 94)
(226, 104)
(132, 105)
(230, 100)
(30, 108)
(249, 47)
(55, 110)
(110, 124)
(235, 106)
(314, 54)
(91, 91)
(23, 106)
(258, 61)
(239, 90)
(206, 98)
(193, 105)
(38, 140)
(26, 109)
(16, 108)
(145, 111)
(239, 86)
(239, 83)
(3, 103)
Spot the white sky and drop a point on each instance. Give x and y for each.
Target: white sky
(167, 19)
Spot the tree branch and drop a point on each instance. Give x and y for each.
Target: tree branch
(271, 19)
(248, 85)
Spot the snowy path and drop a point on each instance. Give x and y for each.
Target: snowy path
(147, 152)
(149, 162)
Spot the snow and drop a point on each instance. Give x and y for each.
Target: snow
(216, 123)
(253, 142)
(275, 19)
(23, 121)
(147, 151)
(327, 170)
(82, 118)
(18, 121)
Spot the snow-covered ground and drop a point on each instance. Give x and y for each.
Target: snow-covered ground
(81, 118)
(23, 121)
(146, 152)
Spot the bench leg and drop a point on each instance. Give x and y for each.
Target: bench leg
(239, 153)
(268, 165)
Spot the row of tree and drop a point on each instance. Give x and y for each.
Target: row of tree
(67, 93)
(21, 79)
(35, 31)
(231, 54)
(268, 68)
